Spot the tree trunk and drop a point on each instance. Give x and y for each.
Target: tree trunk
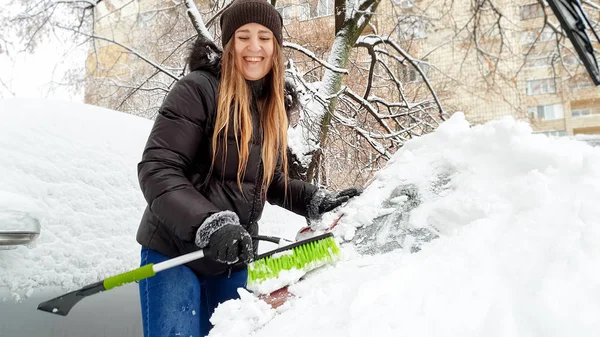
(344, 41)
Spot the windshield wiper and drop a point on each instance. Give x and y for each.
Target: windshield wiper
(573, 20)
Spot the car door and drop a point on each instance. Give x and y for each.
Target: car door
(113, 313)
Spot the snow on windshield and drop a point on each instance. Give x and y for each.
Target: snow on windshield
(469, 231)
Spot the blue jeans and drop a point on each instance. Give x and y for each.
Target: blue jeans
(175, 302)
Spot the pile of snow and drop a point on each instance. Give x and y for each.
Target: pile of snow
(516, 223)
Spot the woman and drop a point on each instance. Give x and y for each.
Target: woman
(216, 154)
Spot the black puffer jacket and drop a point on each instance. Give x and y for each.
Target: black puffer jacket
(173, 172)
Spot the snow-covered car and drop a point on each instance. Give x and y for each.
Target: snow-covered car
(468, 231)
(70, 205)
(593, 140)
(17, 227)
(69, 208)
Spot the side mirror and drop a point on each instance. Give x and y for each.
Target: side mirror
(18, 228)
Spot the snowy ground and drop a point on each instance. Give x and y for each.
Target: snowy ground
(515, 218)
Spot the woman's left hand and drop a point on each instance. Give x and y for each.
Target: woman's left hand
(324, 201)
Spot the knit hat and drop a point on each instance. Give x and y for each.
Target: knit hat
(241, 12)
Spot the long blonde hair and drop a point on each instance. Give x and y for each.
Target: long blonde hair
(234, 105)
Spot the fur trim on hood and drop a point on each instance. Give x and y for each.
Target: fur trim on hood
(205, 55)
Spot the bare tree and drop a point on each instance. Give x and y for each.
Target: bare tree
(491, 43)
(364, 110)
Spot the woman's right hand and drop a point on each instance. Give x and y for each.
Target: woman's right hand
(231, 244)
(224, 239)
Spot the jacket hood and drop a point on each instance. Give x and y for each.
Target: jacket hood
(204, 55)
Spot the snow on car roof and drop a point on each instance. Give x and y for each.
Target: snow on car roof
(73, 168)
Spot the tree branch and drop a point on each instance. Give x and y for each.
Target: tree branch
(129, 49)
(196, 20)
(314, 57)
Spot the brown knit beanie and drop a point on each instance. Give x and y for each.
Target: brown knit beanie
(241, 12)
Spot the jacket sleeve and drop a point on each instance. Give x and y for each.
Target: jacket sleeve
(178, 132)
(298, 196)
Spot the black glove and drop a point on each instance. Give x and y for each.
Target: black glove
(323, 201)
(225, 239)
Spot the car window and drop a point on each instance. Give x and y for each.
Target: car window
(114, 313)
(392, 230)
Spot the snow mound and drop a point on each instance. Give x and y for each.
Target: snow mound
(512, 221)
(72, 167)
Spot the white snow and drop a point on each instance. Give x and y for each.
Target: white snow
(192, 11)
(15, 209)
(302, 139)
(73, 167)
(517, 221)
(312, 55)
(284, 278)
(246, 314)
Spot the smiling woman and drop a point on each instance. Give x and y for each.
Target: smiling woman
(216, 155)
(253, 48)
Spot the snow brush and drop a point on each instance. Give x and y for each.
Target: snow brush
(306, 255)
(301, 256)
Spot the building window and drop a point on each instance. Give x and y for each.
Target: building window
(546, 112)
(404, 4)
(146, 19)
(411, 28)
(315, 9)
(304, 11)
(529, 37)
(553, 133)
(579, 82)
(581, 112)
(287, 14)
(540, 87)
(291, 12)
(372, 164)
(324, 7)
(408, 73)
(531, 11)
(538, 61)
(571, 59)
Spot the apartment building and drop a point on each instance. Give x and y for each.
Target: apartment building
(561, 99)
(532, 82)
(513, 70)
(117, 76)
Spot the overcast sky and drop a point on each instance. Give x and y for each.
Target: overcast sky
(41, 74)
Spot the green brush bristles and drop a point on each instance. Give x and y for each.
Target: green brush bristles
(304, 257)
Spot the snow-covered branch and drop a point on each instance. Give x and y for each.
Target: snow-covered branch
(92, 3)
(314, 57)
(365, 134)
(129, 49)
(370, 41)
(196, 19)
